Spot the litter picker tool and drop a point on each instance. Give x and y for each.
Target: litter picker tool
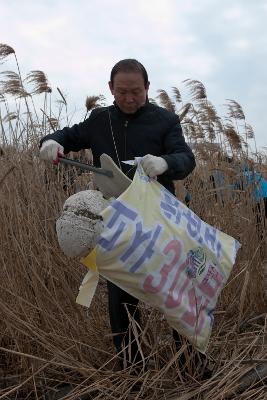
(85, 167)
(109, 179)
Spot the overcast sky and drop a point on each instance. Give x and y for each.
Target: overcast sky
(76, 43)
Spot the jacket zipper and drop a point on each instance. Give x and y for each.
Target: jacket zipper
(125, 138)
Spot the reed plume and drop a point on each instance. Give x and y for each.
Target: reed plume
(184, 110)
(12, 84)
(92, 102)
(5, 50)
(208, 110)
(40, 82)
(152, 101)
(234, 139)
(234, 109)
(165, 100)
(249, 131)
(196, 89)
(192, 130)
(176, 94)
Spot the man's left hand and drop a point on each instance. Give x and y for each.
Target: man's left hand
(154, 166)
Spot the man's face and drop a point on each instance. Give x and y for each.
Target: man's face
(129, 91)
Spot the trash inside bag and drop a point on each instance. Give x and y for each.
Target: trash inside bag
(159, 251)
(80, 223)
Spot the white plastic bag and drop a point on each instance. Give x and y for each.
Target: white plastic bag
(158, 250)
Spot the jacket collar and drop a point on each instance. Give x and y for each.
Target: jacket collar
(130, 116)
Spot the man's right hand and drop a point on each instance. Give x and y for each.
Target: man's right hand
(50, 150)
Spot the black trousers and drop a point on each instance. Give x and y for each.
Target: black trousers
(119, 302)
(119, 322)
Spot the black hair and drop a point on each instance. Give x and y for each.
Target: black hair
(129, 65)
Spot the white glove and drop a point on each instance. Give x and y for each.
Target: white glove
(154, 166)
(50, 150)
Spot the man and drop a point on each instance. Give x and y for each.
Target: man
(129, 128)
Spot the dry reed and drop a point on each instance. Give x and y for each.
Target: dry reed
(52, 348)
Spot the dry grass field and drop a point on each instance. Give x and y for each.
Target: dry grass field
(50, 347)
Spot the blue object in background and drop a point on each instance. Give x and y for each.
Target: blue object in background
(257, 182)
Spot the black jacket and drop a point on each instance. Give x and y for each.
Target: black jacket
(151, 130)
